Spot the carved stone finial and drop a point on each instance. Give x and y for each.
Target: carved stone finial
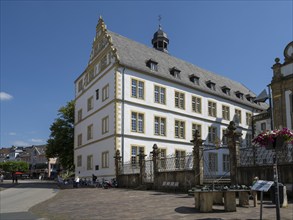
(232, 126)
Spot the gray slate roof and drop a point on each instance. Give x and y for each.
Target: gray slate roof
(135, 55)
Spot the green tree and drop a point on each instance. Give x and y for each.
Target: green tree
(13, 166)
(61, 141)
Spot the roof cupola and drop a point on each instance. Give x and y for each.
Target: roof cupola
(160, 40)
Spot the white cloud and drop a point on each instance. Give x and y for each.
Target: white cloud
(35, 140)
(5, 96)
(12, 133)
(20, 143)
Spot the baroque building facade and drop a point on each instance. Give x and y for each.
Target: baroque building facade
(131, 96)
(282, 90)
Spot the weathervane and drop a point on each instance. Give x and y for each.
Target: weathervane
(159, 19)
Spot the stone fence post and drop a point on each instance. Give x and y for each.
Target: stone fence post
(141, 157)
(233, 145)
(197, 158)
(155, 154)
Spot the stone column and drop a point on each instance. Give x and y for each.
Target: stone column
(155, 154)
(141, 157)
(197, 158)
(233, 145)
(117, 163)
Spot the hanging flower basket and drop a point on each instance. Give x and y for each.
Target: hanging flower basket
(274, 139)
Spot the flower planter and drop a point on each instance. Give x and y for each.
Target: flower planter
(277, 143)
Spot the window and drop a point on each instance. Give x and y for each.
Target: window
(180, 159)
(105, 92)
(135, 150)
(91, 75)
(196, 104)
(105, 125)
(225, 112)
(211, 85)
(162, 158)
(196, 127)
(89, 165)
(248, 119)
(79, 115)
(175, 72)
(213, 162)
(193, 78)
(160, 126)
(153, 65)
(79, 161)
(212, 109)
(263, 126)
(179, 100)
(90, 103)
(137, 89)
(248, 140)
(249, 98)
(97, 94)
(137, 122)
(79, 140)
(239, 94)
(105, 159)
(103, 63)
(90, 132)
(212, 136)
(226, 163)
(160, 95)
(179, 129)
(237, 115)
(226, 90)
(80, 85)
(224, 138)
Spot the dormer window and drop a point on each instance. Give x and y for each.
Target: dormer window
(175, 72)
(239, 94)
(249, 98)
(226, 90)
(211, 85)
(193, 78)
(153, 65)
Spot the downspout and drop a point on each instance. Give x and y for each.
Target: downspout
(271, 107)
(122, 119)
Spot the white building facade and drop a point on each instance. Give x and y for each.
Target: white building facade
(131, 97)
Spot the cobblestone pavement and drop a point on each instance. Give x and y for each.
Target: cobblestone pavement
(98, 203)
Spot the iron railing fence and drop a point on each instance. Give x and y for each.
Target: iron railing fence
(256, 155)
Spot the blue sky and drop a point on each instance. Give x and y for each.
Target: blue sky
(45, 46)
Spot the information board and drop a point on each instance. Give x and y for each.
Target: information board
(262, 185)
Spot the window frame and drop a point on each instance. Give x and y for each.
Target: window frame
(105, 159)
(105, 125)
(89, 164)
(90, 132)
(160, 94)
(212, 134)
(90, 103)
(196, 104)
(79, 161)
(179, 99)
(105, 92)
(159, 130)
(179, 130)
(226, 112)
(212, 109)
(139, 92)
(137, 122)
(213, 162)
(134, 159)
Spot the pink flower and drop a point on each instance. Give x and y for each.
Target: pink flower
(267, 137)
